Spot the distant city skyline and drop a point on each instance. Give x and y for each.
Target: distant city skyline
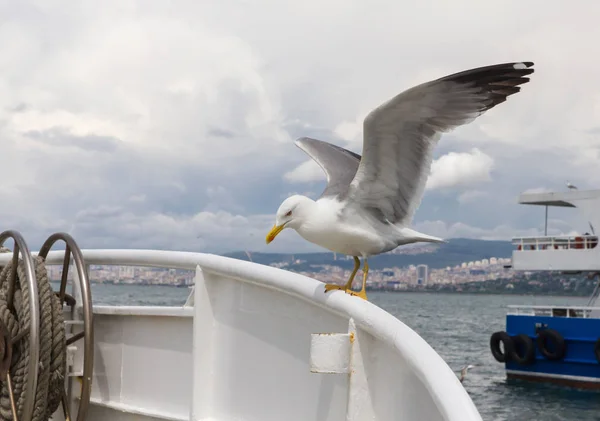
(395, 277)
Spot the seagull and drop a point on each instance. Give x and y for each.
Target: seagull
(571, 186)
(463, 372)
(369, 202)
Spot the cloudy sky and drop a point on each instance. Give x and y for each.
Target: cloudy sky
(170, 125)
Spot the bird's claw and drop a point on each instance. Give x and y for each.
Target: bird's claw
(362, 293)
(330, 287)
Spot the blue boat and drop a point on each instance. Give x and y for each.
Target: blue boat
(555, 344)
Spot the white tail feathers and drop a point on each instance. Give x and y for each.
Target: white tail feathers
(417, 236)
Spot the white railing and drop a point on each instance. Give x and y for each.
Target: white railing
(452, 402)
(581, 312)
(579, 242)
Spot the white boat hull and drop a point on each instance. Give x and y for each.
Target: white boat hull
(250, 346)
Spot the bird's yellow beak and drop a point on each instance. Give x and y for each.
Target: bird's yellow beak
(273, 233)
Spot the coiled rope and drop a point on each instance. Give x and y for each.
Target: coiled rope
(52, 342)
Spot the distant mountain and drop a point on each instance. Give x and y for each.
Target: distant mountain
(456, 251)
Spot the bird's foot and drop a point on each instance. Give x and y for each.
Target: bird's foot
(362, 293)
(329, 287)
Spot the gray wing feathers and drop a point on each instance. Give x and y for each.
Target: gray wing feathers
(401, 134)
(339, 164)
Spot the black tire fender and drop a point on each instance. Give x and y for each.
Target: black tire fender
(550, 335)
(524, 344)
(509, 346)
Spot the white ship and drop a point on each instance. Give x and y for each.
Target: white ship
(252, 342)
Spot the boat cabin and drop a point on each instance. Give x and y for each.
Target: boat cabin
(565, 252)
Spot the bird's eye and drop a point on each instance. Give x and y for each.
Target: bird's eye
(289, 213)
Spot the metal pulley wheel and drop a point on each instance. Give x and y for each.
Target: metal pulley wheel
(82, 314)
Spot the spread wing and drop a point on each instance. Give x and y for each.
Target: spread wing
(400, 135)
(339, 164)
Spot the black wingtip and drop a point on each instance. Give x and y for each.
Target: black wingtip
(499, 80)
(515, 68)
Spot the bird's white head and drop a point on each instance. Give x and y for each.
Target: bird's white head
(291, 213)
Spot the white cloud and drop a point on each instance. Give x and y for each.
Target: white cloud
(169, 119)
(537, 190)
(455, 169)
(155, 83)
(204, 231)
(500, 232)
(306, 172)
(460, 169)
(352, 131)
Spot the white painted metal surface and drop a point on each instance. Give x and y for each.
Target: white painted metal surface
(143, 364)
(330, 352)
(553, 376)
(563, 253)
(567, 253)
(561, 260)
(247, 350)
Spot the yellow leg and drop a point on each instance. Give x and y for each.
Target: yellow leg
(329, 287)
(363, 292)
